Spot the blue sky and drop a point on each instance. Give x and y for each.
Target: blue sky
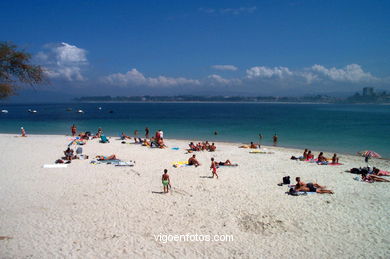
(204, 47)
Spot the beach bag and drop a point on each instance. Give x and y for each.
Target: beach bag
(286, 180)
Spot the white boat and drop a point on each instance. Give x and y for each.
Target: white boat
(80, 111)
(32, 111)
(100, 108)
(4, 111)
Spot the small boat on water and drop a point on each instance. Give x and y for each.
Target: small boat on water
(69, 109)
(80, 111)
(4, 111)
(32, 111)
(100, 108)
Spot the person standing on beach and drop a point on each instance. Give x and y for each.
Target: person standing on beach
(23, 132)
(213, 167)
(166, 181)
(73, 130)
(275, 139)
(260, 137)
(146, 132)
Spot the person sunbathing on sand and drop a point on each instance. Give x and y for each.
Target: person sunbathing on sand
(226, 163)
(124, 136)
(376, 171)
(253, 145)
(335, 159)
(310, 187)
(373, 178)
(166, 181)
(213, 167)
(192, 161)
(112, 157)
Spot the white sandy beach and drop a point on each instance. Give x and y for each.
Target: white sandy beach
(103, 211)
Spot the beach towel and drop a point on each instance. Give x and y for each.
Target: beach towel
(232, 165)
(122, 163)
(55, 166)
(180, 164)
(175, 148)
(335, 164)
(260, 152)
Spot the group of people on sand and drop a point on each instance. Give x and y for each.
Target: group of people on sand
(201, 146)
(321, 159)
(155, 142)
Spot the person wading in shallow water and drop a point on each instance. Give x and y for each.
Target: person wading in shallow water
(275, 139)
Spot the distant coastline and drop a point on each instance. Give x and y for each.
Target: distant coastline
(367, 97)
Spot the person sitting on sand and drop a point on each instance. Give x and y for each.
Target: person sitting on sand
(193, 147)
(321, 158)
(310, 156)
(212, 148)
(373, 178)
(166, 181)
(305, 154)
(160, 143)
(213, 167)
(253, 145)
(335, 159)
(68, 154)
(112, 157)
(193, 161)
(310, 187)
(23, 132)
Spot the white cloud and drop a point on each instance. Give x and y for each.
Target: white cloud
(267, 72)
(63, 61)
(350, 73)
(225, 67)
(136, 78)
(217, 79)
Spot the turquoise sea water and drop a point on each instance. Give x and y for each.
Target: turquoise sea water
(334, 128)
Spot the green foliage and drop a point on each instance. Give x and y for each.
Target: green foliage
(15, 67)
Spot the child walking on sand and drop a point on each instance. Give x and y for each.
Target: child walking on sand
(214, 167)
